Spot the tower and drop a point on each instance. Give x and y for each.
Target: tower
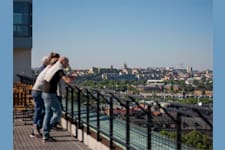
(22, 37)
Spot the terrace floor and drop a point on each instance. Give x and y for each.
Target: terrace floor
(22, 140)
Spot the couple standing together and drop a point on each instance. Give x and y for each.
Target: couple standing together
(47, 110)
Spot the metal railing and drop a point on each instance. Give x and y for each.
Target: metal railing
(119, 120)
(26, 79)
(97, 112)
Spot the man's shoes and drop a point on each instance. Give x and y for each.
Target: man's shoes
(57, 127)
(35, 132)
(32, 135)
(49, 139)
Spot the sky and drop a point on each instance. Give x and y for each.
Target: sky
(140, 33)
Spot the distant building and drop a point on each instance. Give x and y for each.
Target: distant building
(125, 66)
(154, 81)
(93, 70)
(150, 88)
(135, 71)
(189, 69)
(175, 87)
(209, 93)
(22, 37)
(182, 76)
(189, 81)
(127, 71)
(198, 93)
(104, 76)
(168, 77)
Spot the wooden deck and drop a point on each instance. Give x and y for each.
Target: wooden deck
(22, 140)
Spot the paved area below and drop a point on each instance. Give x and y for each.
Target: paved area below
(64, 141)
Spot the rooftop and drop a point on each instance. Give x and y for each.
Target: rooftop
(22, 140)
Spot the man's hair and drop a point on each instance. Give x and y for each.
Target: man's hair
(52, 55)
(63, 58)
(44, 60)
(55, 55)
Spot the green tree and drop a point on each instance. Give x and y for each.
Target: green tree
(198, 140)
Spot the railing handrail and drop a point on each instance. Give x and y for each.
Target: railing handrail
(157, 102)
(191, 107)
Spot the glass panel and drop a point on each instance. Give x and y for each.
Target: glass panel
(17, 18)
(21, 18)
(22, 7)
(21, 30)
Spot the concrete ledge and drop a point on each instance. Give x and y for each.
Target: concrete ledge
(88, 140)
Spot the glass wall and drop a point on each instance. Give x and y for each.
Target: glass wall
(22, 19)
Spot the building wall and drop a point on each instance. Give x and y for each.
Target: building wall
(21, 63)
(22, 42)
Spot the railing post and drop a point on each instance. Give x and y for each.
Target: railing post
(128, 125)
(178, 131)
(111, 122)
(149, 124)
(78, 101)
(25, 105)
(72, 102)
(98, 116)
(67, 93)
(66, 111)
(88, 104)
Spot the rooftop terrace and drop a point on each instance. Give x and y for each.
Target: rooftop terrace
(22, 140)
(89, 115)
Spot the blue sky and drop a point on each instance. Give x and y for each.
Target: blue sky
(146, 33)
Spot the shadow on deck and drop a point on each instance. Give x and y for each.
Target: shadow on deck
(22, 140)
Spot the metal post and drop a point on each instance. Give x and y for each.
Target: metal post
(72, 100)
(88, 104)
(25, 105)
(178, 131)
(128, 125)
(98, 116)
(67, 97)
(149, 124)
(66, 111)
(111, 123)
(78, 101)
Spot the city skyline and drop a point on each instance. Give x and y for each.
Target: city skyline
(141, 34)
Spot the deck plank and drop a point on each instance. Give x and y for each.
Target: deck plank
(22, 140)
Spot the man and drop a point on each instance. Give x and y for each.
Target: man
(61, 89)
(49, 94)
(36, 94)
(45, 61)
